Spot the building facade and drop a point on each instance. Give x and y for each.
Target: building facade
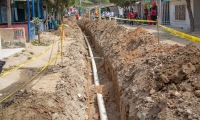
(174, 12)
(22, 13)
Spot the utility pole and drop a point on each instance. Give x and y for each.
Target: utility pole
(9, 14)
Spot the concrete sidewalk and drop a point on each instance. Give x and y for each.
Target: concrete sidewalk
(7, 52)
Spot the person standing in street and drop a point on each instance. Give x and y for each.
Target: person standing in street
(49, 22)
(77, 16)
(131, 16)
(153, 15)
(96, 15)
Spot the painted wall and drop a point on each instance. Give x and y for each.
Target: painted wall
(25, 26)
(12, 38)
(196, 13)
(185, 24)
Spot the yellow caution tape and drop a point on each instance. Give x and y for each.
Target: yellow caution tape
(134, 20)
(25, 62)
(53, 59)
(181, 34)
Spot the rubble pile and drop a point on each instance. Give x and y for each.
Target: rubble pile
(152, 81)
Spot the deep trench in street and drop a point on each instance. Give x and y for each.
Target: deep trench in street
(105, 88)
(139, 77)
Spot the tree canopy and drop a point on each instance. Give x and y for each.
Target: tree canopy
(61, 4)
(100, 1)
(123, 2)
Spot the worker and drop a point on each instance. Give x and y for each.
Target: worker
(96, 15)
(77, 16)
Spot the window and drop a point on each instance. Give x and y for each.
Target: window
(180, 12)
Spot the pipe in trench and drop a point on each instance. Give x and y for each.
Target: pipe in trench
(101, 105)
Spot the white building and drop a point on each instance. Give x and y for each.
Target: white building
(175, 13)
(179, 16)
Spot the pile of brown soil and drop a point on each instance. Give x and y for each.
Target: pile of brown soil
(71, 29)
(61, 96)
(152, 81)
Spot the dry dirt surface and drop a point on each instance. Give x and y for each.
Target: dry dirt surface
(152, 81)
(60, 92)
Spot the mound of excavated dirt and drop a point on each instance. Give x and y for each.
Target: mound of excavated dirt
(69, 84)
(152, 81)
(71, 29)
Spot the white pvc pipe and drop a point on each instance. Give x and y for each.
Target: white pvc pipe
(94, 68)
(102, 109)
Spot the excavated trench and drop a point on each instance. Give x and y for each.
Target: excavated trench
(139, 78)
(150, 80)
(104, 50)
(106, 89)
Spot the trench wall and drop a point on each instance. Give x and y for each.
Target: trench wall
(114, 43)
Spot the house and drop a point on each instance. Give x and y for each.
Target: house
(174, 12)
(179, 16)
(22, 12)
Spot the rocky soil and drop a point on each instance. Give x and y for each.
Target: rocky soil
(151, 80)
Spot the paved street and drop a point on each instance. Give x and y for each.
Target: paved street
(7, 52)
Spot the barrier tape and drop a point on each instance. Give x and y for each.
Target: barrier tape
(53, 59)
(134, 20)
(181, 34)
(25, 62)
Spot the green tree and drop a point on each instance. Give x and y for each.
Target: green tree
(100, 1)
(123, 2)
(37, 27)
(59, 5)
